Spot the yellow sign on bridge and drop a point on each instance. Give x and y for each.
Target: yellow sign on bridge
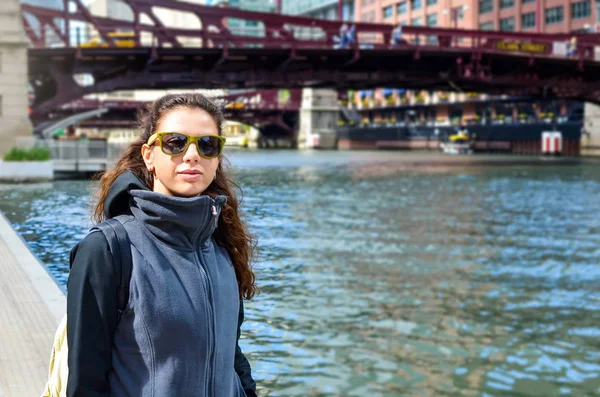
(536, 48)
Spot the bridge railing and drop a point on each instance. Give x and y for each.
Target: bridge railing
(214, 28)
(268, 99)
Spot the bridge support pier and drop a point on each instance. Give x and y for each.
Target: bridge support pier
(319, 114)
(590, 139)
(14, 99)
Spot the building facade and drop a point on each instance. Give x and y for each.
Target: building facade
(322, 9)
(557, 16)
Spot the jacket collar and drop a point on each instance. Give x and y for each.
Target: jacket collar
(181, 222)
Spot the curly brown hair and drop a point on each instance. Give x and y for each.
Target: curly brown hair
(231, 233)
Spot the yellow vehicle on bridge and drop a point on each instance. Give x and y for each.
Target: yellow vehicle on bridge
(235, 105)
(120, 40)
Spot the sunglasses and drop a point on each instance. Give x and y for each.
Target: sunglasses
(175, 144)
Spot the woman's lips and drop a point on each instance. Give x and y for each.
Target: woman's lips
(190, 175)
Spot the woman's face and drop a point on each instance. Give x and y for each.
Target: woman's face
(187, 174)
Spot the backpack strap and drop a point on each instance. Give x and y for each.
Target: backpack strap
(119, 245)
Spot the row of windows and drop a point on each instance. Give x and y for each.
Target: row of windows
(402, 7)
(432, 20)
(581, 9)
(553, 15)
(508, 24)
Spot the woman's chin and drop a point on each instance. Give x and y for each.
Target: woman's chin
(189, 190)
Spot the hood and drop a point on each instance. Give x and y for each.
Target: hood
(118, 197)
(182, 222)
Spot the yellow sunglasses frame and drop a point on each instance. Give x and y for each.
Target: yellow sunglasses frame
(190, 140)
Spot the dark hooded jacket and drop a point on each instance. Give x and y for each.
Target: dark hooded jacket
(178, 335)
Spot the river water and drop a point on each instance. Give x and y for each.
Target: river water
(380, 280)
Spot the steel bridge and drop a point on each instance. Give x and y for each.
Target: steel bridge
(293, 52)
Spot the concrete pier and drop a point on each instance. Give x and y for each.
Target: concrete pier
(32, 305)
(318, 119)
(14, 100)
(590, 140)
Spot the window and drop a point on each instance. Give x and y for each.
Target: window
(554, 15)
(432, 20)
(486, 26)
(581, 9)
(528, 20)
(507, 24)
(416, 22)
(415, 4)
(528, 1)
(507, 3)
(368, 16)
(388, 12)
(401, 8)
(431, 2)
(485, 6)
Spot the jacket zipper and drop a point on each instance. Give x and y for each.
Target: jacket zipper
(211, 325)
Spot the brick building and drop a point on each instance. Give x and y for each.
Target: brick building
(509, 15)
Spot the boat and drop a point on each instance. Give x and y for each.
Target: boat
(459, 143)
(239, 140)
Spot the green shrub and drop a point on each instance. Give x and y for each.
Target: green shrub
(33, 154)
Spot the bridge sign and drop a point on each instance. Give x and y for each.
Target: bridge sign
(535, 48)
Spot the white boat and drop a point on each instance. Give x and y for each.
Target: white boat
(238, 140)
(459, 143)
(456, 148)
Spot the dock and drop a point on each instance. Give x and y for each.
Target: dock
(31, 306)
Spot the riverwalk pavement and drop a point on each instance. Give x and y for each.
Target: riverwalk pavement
(31, 306)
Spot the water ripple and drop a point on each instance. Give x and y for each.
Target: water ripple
(481, 282)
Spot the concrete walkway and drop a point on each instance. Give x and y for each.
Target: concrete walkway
(31, 306)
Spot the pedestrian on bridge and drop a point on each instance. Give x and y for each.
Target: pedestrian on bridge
(342, 39)
(190, 259)
(397, 35)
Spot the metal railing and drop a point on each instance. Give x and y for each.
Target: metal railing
(75, 155)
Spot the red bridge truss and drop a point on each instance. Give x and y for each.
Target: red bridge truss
(292, 52)
(257, 108)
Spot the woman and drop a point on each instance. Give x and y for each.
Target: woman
(178, 334)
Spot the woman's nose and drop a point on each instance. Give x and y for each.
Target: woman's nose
(191, 154)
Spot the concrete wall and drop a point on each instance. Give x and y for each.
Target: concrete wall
(590, 139)
(14, 102)
(319, 114)
(26, 171)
